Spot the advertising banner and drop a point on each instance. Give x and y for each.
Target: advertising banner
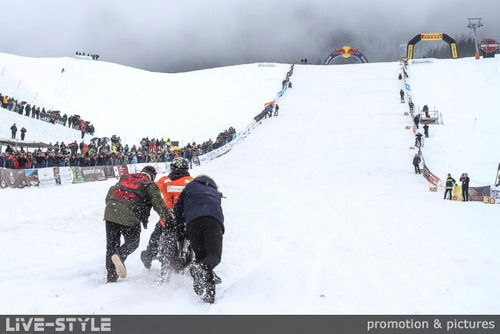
(121, 170)
(495, 193)
(65, 175)
(477, 193)
(109, 171)
(497, 180)
(32, 177)
(161, 168)
(13, 178)
(429, 176)
(91, 174)
(3, 183)
(432, 37)
(46, 177)
(77, 175)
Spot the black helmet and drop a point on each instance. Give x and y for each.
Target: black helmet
(151, 171)
(179, 163)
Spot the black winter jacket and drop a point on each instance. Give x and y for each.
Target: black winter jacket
(200, 198)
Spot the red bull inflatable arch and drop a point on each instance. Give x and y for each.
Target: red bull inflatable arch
(432, 37)
(345, 52)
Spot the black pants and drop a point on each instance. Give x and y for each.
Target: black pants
(205, 235)
(114, 231)
(417, 169)
(465, 193)
(447, 191)
(152, 249)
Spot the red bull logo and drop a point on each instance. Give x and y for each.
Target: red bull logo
(346, 51)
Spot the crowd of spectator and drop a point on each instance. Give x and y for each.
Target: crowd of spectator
(93, 56)
(50, 116)
(109, 152)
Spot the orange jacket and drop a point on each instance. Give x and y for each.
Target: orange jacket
(171, 190)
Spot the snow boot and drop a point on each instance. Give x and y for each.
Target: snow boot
(146, 259)
(203, 282)
(119, 265)
(209, 295)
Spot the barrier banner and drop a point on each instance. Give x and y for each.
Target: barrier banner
(429, 176)
(65, 175)
(46, 177)
(109, 171)
(121, 170)
(3, 184)
(13, 178)
(91, 174)
(477, 193)
(161, 168)
(497, 181)
(132, 168)
(495, 193)
(77, 175)
(32, 177)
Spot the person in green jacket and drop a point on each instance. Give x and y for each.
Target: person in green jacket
(128, 204)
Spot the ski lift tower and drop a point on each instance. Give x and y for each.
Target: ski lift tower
(474, 23)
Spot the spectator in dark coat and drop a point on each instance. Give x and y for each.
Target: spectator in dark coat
(416, 162)
(426, 130)
(13, 130)
(23, 133)
(465, 186)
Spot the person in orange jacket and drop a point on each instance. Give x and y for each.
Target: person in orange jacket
(170, 187)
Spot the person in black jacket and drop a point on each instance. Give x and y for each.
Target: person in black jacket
(13, 130)
(23, 133)
(199, 208)
(416, 162)
(402, 95)
(465, 186)
(450, 182)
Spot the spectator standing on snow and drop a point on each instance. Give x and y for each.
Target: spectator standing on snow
(416, 162)
(23, 133)
(402, 95)
(418, 140)
(276, 109)
(465, 186)
(426, 130)
(13, 130)
(450, 182)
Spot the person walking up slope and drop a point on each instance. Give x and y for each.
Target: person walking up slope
(128, 204)
(170, 187)
(199, 207)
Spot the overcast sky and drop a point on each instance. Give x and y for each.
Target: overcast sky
(180, 35)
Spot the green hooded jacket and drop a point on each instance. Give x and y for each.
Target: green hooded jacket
(131, 214)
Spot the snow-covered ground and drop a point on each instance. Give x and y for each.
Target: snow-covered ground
(324, 213)
(134, 103)
(466, 93)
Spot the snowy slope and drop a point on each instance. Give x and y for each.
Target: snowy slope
(135, 103)
(37, 130)
(466, 93)
(323, 215)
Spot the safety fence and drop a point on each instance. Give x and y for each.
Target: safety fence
(488, 194)
(53, 176)
(240, 136)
